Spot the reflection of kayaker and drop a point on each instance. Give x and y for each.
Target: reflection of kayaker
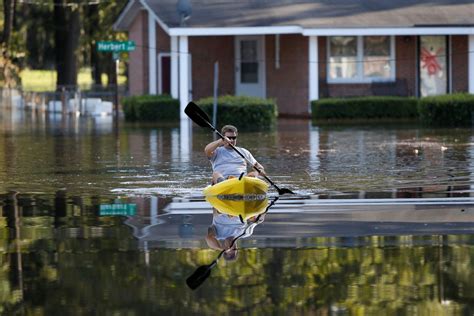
(225, 160)
(227, 247)
(225, 228)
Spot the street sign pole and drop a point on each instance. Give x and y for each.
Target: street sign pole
(116, 105)
(116, 47)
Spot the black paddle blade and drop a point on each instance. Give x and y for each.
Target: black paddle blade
(199, 276)
(198, 116)
(282, 191)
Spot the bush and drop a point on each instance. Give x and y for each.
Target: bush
(448, 110)
(150, 108)
(365, 108)
(242, 111)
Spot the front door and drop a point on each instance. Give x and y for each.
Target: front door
(250, 66)
(433, 65)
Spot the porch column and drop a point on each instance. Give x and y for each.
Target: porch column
(151, 54)
(174, 67)
(471, 64)
(313, 71)
(183, 75)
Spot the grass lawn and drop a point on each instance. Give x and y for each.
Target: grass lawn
(45, 80)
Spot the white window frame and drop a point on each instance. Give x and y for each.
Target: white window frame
(359, 78)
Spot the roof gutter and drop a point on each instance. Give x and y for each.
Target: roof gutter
(389, 31)
(367, 31)
(223, 31)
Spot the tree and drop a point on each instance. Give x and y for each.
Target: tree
(8, 71)
(9, 14)
(66, 29)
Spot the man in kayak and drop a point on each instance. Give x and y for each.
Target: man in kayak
(225, 161)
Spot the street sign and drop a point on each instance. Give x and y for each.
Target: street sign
(118, 209)
(115, 46)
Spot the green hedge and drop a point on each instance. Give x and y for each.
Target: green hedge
(150, 108)
(448, 110)
(242, 111)
(365, 108)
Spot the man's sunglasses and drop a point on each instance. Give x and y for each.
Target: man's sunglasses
(232, 137)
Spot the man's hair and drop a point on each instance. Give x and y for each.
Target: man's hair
(231, 255)
(229, 128)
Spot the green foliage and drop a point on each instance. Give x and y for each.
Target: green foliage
(150, 108)
(32, 42)
(9, 77)
(242, 111)
(448, 110)
(365, 108)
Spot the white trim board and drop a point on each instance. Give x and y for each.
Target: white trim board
(157, 19)
(124, 15)
(217, 31)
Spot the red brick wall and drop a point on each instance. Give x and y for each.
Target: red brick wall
(163, 45)
(289, 83)
(459, 67)
(405, 66)
(138, 59)
(163, 41)
(205, 51)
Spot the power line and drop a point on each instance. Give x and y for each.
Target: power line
(320, 61)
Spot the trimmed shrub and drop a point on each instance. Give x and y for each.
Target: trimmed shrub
(150, 108)
(447, 110)
(242, 111)
(365, 108)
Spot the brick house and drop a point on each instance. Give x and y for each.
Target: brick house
(296, 51)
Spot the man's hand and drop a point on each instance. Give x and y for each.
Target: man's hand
(260, 169)
(225, 140)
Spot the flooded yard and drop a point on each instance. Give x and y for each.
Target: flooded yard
(100, 219)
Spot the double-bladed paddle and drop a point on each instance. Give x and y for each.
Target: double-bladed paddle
(200, 117)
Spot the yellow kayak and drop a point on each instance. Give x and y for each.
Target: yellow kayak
(244, 208)
(234, 186)
(245, 197)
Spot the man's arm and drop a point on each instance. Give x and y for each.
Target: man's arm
(211, 147)
(211, 239)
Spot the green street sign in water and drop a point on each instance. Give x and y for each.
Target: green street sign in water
(118, 209)
(115, 46)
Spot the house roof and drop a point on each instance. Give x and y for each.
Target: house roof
(312, 15)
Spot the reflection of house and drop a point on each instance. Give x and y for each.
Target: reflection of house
(296, 51)
(294, 222)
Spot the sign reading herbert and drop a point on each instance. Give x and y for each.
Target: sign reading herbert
(115, 46)
(118, 209)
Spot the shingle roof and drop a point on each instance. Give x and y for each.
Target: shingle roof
(318, 13)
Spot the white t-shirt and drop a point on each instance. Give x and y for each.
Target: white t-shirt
(229, 163)
(231, 226)
(227, 226)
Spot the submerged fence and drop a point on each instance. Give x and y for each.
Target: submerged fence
(66, 100)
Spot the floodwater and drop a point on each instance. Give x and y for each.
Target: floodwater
(99, 220)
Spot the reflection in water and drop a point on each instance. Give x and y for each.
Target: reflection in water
(223, 235)
(59, 256)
